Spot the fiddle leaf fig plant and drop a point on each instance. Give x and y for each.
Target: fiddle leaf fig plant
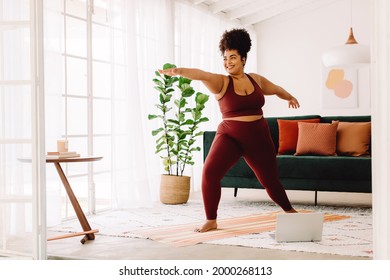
(180, 112)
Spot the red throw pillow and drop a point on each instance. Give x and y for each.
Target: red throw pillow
(288, 135)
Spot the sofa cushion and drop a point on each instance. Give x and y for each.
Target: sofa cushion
(324, 167)
(354, 138)
(313, 168)
(316, 139)
(274, 129)
(288, 135)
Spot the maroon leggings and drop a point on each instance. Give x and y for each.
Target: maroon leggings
(253, 141)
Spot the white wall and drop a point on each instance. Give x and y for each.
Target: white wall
(290, 48)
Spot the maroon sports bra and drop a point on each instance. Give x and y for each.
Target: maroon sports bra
(234, 105)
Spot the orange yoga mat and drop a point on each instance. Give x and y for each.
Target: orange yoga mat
(184, 235)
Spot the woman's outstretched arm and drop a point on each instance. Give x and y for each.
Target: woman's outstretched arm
(214, 82)
(270, 88)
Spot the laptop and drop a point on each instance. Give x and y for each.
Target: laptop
(299, 227)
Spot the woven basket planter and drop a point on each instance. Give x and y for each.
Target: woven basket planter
(174, 189)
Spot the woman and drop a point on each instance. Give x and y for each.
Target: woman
(243, 131)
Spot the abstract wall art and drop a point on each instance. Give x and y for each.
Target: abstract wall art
(340, 88)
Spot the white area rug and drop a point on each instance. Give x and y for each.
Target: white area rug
(351, 237)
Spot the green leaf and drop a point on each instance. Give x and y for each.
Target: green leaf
(162, 98)
(188, 92)
(184, 81)
(160, 89)
(199, 134)
(159, 145)
(173, 121)
(167, 98)
(151, 117)
(171, 80)
(182, 103)
(157, 131)
(196, 114)
(201, 98)
(196, 149)
(166, 161)
(161, 139)
(168, 66)
(158, 82)
(160, 150)
(181, 117)
(188, 122)
(184, 86)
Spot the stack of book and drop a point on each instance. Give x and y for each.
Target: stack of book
(58, 155)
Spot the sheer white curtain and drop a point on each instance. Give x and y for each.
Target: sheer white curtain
(148, 44)
(54, 88)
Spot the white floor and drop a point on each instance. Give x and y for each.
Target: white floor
(104, 247)
(115, 248)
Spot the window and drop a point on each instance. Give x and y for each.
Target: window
(93, 83)
(21, 162)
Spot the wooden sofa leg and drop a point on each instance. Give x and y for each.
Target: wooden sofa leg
(315, 198)
(235, 192)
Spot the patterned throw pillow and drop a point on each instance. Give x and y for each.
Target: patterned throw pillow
(353, 138)
(317, 139)
(288, 135)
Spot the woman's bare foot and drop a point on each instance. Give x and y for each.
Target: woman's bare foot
(292, 211)
(207, 226)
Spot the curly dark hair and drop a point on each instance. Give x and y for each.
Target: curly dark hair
(236, 39)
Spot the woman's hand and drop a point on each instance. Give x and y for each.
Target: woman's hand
(293, 103)
(270, 88)
(169, 72)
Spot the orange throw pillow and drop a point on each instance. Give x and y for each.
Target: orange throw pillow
(288, 135)
(317, 139)
(354, 138)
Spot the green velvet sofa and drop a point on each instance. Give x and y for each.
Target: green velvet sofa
(304, 172)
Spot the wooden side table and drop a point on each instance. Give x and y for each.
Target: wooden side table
(89, 233)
